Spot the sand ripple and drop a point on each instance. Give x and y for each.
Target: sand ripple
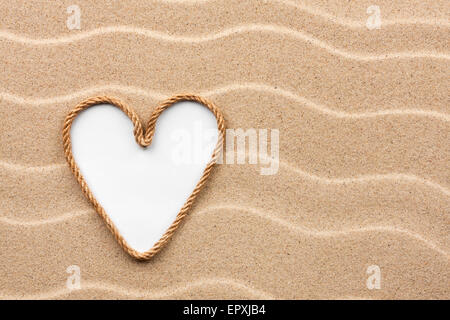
(221, 90)
(363, 174)
(242, 29)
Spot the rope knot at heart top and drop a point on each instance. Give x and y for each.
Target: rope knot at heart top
(143, 137)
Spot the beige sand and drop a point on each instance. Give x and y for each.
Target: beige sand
(364, 128)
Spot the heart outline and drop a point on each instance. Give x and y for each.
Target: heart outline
(143, 137)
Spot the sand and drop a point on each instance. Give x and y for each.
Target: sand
(364, 125)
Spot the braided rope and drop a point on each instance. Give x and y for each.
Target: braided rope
(143, 138)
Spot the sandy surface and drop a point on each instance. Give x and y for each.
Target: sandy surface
(364, 126)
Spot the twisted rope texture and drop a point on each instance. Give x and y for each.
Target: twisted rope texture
(143, 137)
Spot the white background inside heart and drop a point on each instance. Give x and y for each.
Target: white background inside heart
(143, 189)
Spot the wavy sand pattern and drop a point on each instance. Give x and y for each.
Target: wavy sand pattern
(364, 173)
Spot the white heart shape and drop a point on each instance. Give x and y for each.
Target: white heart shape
(143, 189)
